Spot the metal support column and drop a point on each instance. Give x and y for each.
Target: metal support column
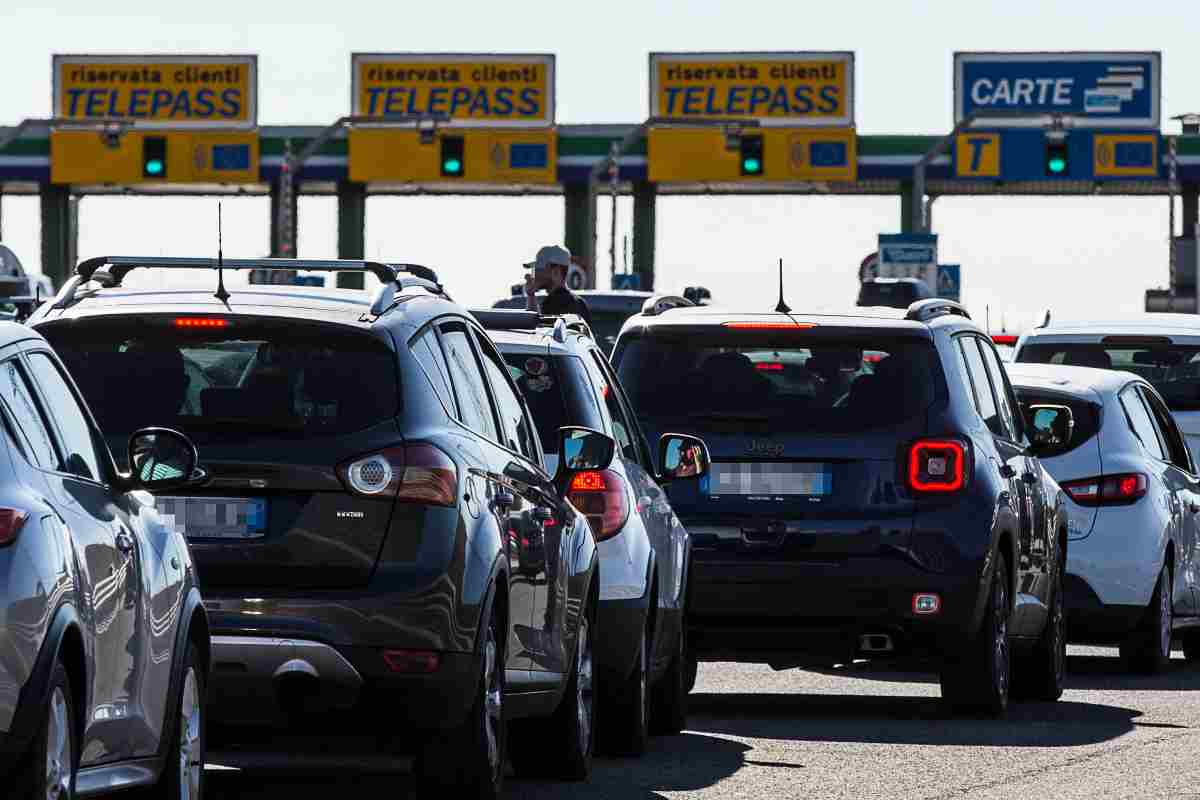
(58, 232)
(906, 207)
(1191, 209)
(275, 237)
(644, 204)
(351, 230)
(579, 230)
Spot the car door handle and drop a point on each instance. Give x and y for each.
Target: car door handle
(124, 542)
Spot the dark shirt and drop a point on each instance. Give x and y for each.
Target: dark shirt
(564, 301)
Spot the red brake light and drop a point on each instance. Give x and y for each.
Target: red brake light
(937, 465)
(769, 366)
(1004, 338)
(200, 322)
(1107, 490)
(412, 661)
(11, 520)
(415, 473)
(768, 326)
(600, 496)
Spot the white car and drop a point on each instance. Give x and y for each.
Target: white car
(1132, 556)
(1162, 348)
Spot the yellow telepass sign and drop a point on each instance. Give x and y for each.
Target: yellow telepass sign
(785, 89)
(480, 90)
(158, 91)
(1125, 155)
(398, 155)
(977, 155)
(202, 156)
(788, 155)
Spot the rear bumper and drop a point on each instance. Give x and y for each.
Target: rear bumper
(295, 682)
(1121, 558)
(619, 624)
(797, 613)
(1090, 621)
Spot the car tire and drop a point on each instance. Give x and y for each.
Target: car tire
(53, 758)
(182, 777)
(468, 761)
(1191, 647)
(1039, 675)
(1148, 650)
(691, 668)
(626, 729)
(669, 700)
(562, 747)
(978, 681)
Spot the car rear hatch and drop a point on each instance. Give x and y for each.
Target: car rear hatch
(807, 429)
(274, 406)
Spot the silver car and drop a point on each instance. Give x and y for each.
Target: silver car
(1133, 555)
(103, 638)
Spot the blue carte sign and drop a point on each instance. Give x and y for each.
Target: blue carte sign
(1098, 90)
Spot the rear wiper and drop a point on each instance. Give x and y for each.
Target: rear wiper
(240, 425)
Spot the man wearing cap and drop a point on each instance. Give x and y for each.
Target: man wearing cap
(549, 272)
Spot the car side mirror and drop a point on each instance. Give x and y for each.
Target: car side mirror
(681, 456)
(1050, 427)
(584, 449)
(160, 458)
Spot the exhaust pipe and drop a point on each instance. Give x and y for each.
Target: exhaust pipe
(875, 643)
(296, 682)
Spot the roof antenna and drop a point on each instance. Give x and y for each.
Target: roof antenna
(782, 307)
(220, 294)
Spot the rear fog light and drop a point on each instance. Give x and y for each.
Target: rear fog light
(419, 662)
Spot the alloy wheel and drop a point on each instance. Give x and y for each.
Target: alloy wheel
(191, 755)
(59, 757)
(493, 703)
(1059, 632)
(1001, 655)
(584, 695)
(1164, 614)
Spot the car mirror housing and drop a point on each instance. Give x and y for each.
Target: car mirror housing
(1050, 426)
(584, 449)
(161, 458)
(681, 457)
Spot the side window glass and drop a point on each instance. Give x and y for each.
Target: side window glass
(476, 410)
(985, 401)
(1168, 430)
(622, 430)
(517, 435)
(26, 416)
(429, 354)
(81, 457)
(1008, 403)
(635, 431)
(1139, 420)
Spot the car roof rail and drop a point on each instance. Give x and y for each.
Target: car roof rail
(661, 303)
(933, 307)
(507, 319)
(566, 323)
(109, 271)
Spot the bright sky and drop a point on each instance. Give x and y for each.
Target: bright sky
(1083, 255)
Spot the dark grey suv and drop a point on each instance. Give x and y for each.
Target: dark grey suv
(104, 643)
(373, 468)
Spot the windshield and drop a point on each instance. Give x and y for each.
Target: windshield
(784, 383)
(263, 377)
(1174, 370)
(606, 325)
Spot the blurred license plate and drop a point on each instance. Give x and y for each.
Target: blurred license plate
(214, 517)
(750, 478)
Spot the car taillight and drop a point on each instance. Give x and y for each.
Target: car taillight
(1005, 338)
(600, 496)
(11, 520)
(937, 465)
(1107, 490)
(415, 473)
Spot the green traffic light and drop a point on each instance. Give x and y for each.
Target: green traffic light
(1057, 165)
(451, 166)
(751, 166)
(154, 167)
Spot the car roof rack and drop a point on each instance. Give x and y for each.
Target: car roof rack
(109, 271)
(561, 324)
(933, 307)
(661, 303)
(507, 319)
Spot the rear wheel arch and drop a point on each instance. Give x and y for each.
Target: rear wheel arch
(73, 656)
(1008, 546)
(199, 634)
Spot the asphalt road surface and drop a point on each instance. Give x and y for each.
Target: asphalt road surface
(853, 733)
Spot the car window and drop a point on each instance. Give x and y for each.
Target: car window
(1172, 369)
(985, 399)
(19, 399)
(1168, 430)
(1004, 392)
(517, 434)
(81, 457)
(622, 425)
(639, 441)
(476, 409)
(433, 361)
(1139, 420)
(557, 391)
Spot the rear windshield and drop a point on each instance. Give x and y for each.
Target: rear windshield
(606, 325)
(785, 382)
(250, 377)
(558, 392)
(1085, 415)
(1174, 370)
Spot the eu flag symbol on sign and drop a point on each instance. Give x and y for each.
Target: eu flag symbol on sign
(827, 154)
(1133, 154)
(231, 156)
(528, 156)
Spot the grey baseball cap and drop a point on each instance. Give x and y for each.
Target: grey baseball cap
(551, 255)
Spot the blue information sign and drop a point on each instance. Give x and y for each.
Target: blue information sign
(627, 281)
(1098, 90)
(949, 281)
